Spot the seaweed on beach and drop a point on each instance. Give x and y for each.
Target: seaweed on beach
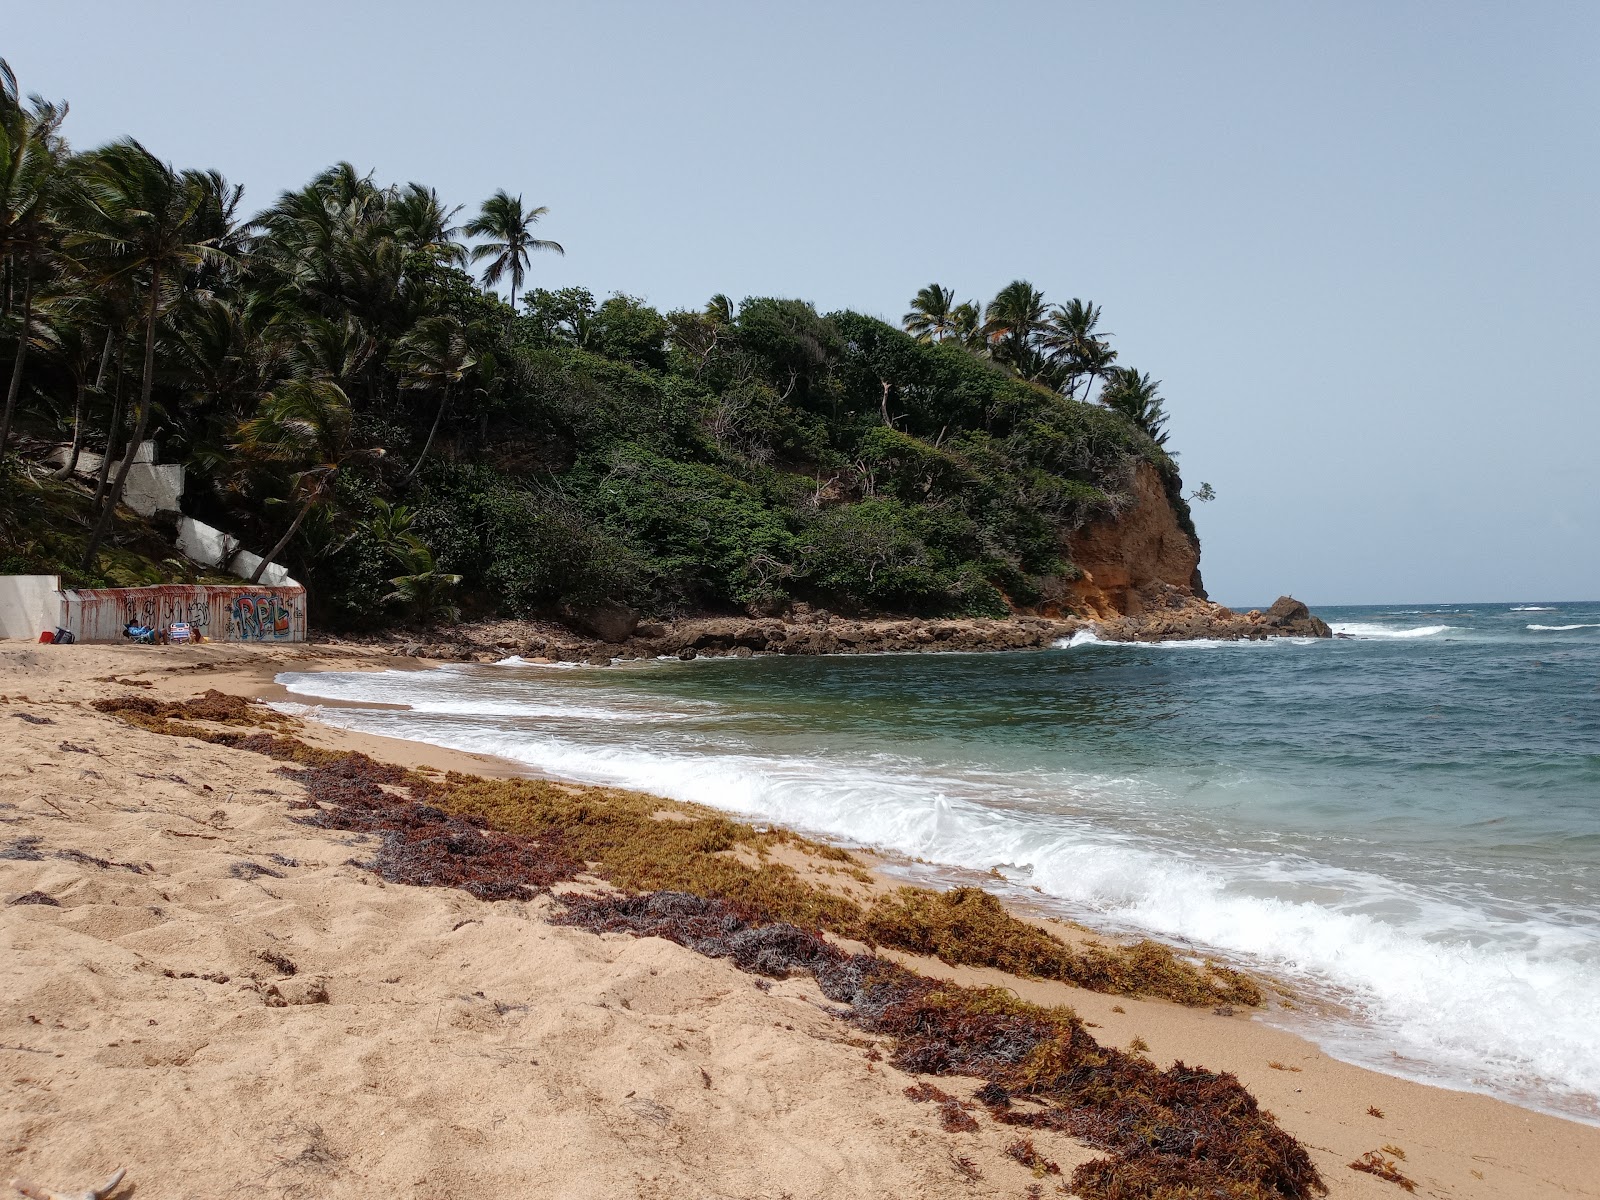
(217, 707)
(1181, 1132)
(969, 926)
(641, 843)
(1374, 1163)
(711, 884)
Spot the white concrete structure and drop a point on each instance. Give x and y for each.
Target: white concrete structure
(29, 605)
(210, 547)
(150, 488)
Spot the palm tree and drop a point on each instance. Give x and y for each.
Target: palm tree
(69, 342)
(509, 228)
(425, 589)
(965, 320)
(306, 423)
(1136, 396)
(421, 222)
(1073, 340)
(721, 309)
(31, 153)
(150, 222)
(933, 314)
(1012, 319)
(433, 355)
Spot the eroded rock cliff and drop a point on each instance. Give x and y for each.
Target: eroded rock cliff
(1122, 557)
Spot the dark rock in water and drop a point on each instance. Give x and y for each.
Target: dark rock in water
(1293, 619)
(608, 621)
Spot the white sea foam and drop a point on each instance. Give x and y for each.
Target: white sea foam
(1533, 608)
(1560, 628)
(1368, 629)
(1482, 1000)
(1087, 637)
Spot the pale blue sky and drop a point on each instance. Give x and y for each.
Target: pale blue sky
(1357, 242)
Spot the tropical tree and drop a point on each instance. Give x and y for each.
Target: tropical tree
(1011, 320)
(509, 229)
(422, 224)
(965, 322)
(933, 314)
(74, 348)
(1136, 396)
(425, 590)
(1073, 341)
(31, 153)
(306, 424)
(433, 356)
(151, 223)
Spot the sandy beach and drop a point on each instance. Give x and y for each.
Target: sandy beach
(217, 998)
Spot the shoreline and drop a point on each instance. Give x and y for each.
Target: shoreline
(1164, 614)
(1447, 1134)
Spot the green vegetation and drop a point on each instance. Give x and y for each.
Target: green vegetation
(333, 360)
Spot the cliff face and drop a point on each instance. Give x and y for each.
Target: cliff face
(1122, 558)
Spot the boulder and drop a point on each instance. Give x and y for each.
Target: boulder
(608, 620)
(1289, 617)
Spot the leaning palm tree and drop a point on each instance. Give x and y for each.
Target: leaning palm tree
(31, 153)
(509, 230)
(1136, 396)
(150, 223)
(933, 314)
(76, 350)
(306, 424)
(434, 355)
(1011, 321)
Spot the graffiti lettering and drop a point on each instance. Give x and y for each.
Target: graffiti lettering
(259, 618)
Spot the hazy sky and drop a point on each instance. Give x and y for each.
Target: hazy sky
(1357, 242)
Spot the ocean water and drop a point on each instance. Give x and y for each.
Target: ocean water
(1404, 821)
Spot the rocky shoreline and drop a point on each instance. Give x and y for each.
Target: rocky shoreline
(600, 636)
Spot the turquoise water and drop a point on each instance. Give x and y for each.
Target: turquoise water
(1406, 820)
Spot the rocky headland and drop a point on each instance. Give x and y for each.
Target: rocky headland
(1135, 577)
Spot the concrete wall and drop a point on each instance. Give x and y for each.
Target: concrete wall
(219, 613)
(150, 489)
(29, 604)
(209, 546)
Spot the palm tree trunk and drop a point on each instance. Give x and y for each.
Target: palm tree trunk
(112, 429)
(71, 465)
(294, 528)
(140, 426)
(15, 389)
(437, 417)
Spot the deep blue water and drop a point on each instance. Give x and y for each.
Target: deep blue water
(1406, 820)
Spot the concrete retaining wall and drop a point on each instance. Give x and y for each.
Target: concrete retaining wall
(219, 613)
(29, 605)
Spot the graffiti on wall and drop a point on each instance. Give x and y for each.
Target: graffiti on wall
(217, 612)
(159, 608)
(260, 618)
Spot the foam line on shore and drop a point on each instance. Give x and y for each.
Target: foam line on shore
(1465, 997)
